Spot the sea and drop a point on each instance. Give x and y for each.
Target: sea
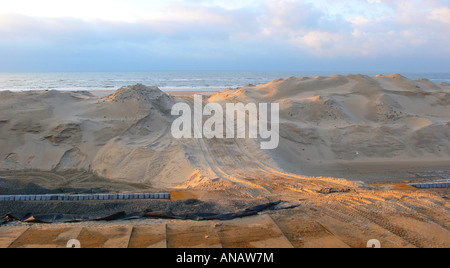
(166, 80)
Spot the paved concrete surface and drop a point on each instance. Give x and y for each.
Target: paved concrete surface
(253, 232)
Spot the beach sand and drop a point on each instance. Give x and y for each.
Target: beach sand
(349, 146)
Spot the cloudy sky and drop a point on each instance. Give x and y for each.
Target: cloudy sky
(143, 35)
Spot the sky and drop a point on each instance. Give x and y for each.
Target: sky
(145, 35)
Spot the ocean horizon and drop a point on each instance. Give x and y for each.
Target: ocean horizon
(169, 80)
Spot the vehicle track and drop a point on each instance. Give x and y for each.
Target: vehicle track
(231, 160)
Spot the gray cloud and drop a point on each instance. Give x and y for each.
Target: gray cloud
(279, 31)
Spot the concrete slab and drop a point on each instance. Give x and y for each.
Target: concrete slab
(359, 235)
(305, 232)
(153, 236)
(252, 232)
(105, 237)
(193, 235)
(427, 233)
(10, 234)
(46, 237)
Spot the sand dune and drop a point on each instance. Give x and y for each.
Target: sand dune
(354, 119)
(123, 136)
(324, 120)
(364, 130)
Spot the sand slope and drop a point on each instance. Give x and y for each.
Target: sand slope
(324, 120)
(123, 136)
(356, 123)
(354, 119)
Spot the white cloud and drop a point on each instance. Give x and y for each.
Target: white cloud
(441, 15)
(360, 20)
(318, 40)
